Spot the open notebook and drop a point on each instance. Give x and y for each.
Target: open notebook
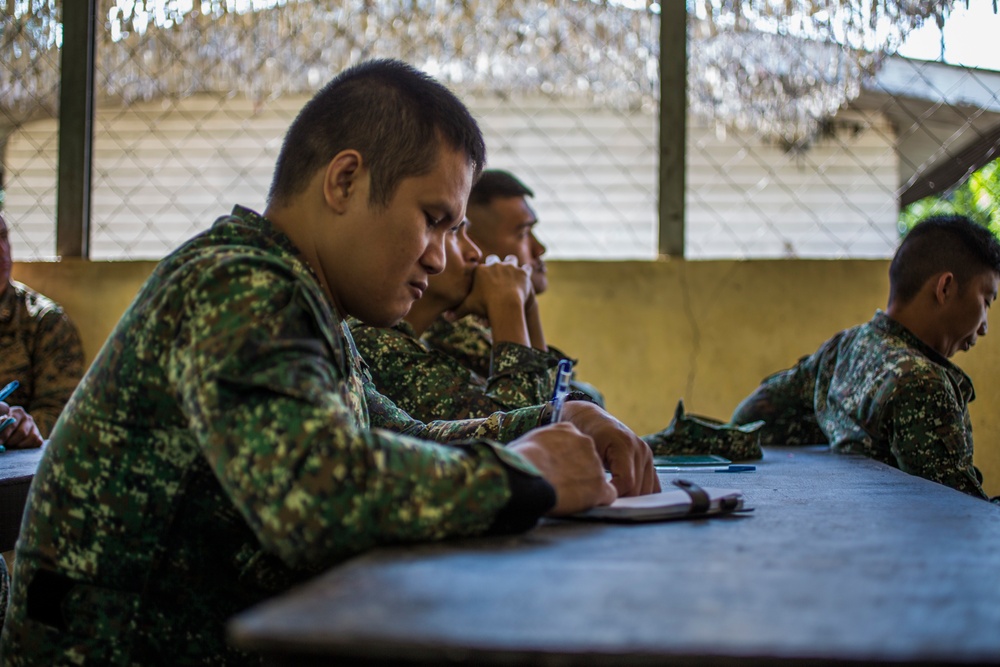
(685, 502)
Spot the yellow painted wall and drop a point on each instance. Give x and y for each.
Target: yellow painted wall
(645, 333)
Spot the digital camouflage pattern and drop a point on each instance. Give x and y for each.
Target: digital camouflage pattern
(696, 434)
(40, 348)
(470, 342)
(429, 384)
(877, 390)
(4, 589)
(226, 443)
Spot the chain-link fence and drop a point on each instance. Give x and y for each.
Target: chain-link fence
(796, 146)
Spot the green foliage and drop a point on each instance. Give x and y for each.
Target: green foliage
(978, 198)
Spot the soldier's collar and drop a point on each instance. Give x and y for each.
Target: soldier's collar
(406, 328)
(884, 323)
(279, 238)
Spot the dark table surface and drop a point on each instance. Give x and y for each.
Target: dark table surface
(17, 468)
(844, 560)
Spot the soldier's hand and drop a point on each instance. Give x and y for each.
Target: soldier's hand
(627, 457)
(23, 433)
(568, 460)
(495, 285)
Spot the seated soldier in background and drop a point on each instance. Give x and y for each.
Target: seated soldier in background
(501, 224)
(886, 389)
(227, 442)
(429, 384)
(41, 349)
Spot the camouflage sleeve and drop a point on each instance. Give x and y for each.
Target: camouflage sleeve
(56, 368)
(468, 341)
(784, 401)
(520, 375)
(254, 369)
(930, 433)
(428, 384)
(502, 427)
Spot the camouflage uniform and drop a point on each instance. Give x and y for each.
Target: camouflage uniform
(4, 589)
(429, 384)
(226, 443)
(469, 342)
(877, 390)
(41, 349)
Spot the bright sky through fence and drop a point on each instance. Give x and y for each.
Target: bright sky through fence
(970, 37)
(968, 33)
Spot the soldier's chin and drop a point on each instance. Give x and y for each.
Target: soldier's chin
(385, 317)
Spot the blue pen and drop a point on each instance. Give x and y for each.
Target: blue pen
(561, 389)
(4, 393)
(9, 389)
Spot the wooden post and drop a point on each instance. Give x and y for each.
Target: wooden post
(76, 128)
(673, 126)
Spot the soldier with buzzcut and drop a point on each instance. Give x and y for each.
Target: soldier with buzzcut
(887, 389)
(227, 442)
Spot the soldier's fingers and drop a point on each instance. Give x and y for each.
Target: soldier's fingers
(15, 436)
(650, 482)
(621, 463)
(609, 494)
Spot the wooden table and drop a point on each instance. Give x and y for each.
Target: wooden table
(17, 468)
(844, 560)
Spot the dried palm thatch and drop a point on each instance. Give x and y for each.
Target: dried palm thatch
(778, 67)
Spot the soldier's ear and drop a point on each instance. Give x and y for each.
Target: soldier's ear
(945, 287)
(343, 180)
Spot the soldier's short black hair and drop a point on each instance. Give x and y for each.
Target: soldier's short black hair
(941, 243)
(392, 114)
(497, 183)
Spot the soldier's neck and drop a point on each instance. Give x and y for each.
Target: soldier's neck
(423, 314)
